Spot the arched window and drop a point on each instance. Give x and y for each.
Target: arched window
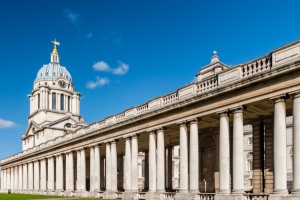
(62, 101)
(53, 101)
(39, 98)
(69, 100)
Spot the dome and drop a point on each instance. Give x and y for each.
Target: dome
(53, 71)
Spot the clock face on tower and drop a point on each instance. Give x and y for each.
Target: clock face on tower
(62, 84)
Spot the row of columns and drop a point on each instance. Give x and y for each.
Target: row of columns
(189, 159)
(44, 100)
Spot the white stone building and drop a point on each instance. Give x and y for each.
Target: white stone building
(201, 125)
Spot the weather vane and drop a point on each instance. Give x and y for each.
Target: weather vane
(55, 43)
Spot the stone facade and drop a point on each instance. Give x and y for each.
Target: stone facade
(194, 143)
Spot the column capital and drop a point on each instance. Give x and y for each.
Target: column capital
(127, 137)
(238, 109)
(223, 112)
(279, 98)
(183, 122)
(135, 136)
(194, 120)
(295, 94)
(114, 141)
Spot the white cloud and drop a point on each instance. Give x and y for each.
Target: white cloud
(98, 83)
(89, 35)
(122, 69)
(72, 17)
(103, 66)
(6, 124)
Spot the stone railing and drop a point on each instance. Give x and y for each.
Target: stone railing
(141, 195)
(207, 196)
(257, 196)
(222, 79)
(169, 195)
(256, 66)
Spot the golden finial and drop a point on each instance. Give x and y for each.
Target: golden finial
(55, 43)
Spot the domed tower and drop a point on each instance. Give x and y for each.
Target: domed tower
(54, 104)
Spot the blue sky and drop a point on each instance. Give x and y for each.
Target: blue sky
(124, 53)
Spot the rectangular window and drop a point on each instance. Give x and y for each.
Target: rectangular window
(53, 101)
(62, 101)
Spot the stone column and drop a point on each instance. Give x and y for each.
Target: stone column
(194, 157)
(59, 173)
(12, 178)
(258, 156)
(92, 168)
(97, 169)
(152, 162)
(43, 175)
(50, 174)
(83, 169)
(16, 181)
(224, 154)
(25, 176)
(146, 172)
(69, 171)
(30, 176)
(160, 168)
(2, 179)
(108, 167)
(169, 168)
(238, 151)
(78, 170)
(296, 143)
(114, 168)
(134, 164)
(128, 164)
(20, 178)
(120, 172)
(36, 175)
(8, 178)
(183, 165)
(102, 173)
(280, 175)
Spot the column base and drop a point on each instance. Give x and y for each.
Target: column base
(295, 192)
(238, 191)
(282, 192)
(224, 191)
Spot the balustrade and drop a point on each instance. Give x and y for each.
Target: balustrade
(170, 98)
(256, 66)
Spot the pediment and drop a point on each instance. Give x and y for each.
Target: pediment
(31, 129)
(60, 123)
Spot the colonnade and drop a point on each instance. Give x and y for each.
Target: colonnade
(67, 171)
